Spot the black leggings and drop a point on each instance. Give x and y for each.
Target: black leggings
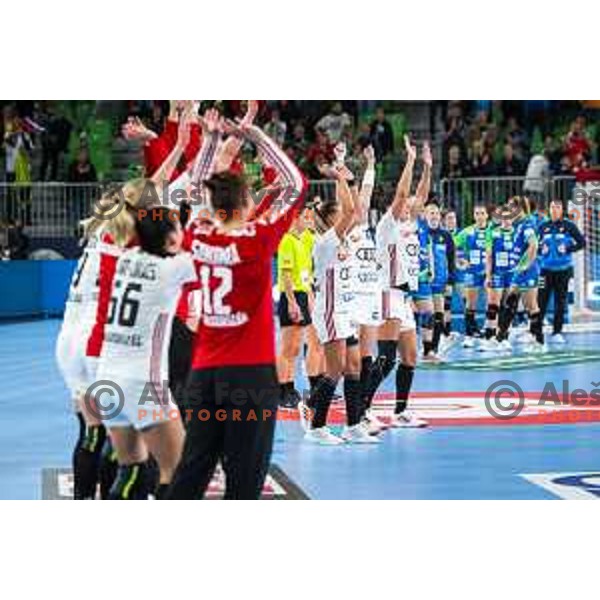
(231, 413)
(557, 283)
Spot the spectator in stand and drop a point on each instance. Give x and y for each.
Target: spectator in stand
(288, 111)
(510, 165)
(18, 242)
(276, 128)
(552, 153)
(538, 173)
(577, 146)
(55, 141)
(82, 170)
(454, 166)
(517, 137)
(336, 124)
(381, 135)
(481, 160)
(319, 154)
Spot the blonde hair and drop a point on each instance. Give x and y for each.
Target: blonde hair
(123, 202)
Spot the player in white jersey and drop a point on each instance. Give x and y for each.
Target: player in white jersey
(398, 252)
(134, 363)
(77, 369)
(333, 318)
(366, 282)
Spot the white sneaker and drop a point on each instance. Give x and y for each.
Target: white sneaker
(535, 348)
(305, 415)
(432, 358)
(323, 436)
(375, 421)
(358, 434)
(526, 338)
(558, 338)
(469, 342)
(491, 345)
(407, 419)
(505, 346)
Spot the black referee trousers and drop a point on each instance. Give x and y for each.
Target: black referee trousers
(557, 283)
(230, 414)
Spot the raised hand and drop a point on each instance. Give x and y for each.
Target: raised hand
(134, 129)
(250, 116)
(212, 121)
(339, 152)
(426, 156)
(411, 151)
(369, 154)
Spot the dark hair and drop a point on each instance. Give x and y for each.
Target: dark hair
(154, 227)
(324, 211)
(228, 192)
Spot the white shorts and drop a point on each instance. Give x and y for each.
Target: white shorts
(77, 369)
(367, 309)
(337, 326)
(396, 306)
(127, 402)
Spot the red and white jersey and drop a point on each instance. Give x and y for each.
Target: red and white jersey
(333, 267)
(142, 306)
(234, 267)
(398, 252)
(108, 256)
(80, 309)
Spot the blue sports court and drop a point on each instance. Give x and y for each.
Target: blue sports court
(547, 452)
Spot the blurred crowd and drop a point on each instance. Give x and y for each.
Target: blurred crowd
(505, 139)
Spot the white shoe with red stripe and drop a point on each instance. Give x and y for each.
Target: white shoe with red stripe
(323, 436)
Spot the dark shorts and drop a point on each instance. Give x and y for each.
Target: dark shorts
(284, 316)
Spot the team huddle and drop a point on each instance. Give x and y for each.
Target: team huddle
(171, 304)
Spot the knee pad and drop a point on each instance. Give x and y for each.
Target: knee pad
(93, 438)
(438, 318)
(492, 312)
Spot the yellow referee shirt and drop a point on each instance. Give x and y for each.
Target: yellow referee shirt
(295, 256)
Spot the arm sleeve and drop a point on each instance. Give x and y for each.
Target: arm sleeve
(578, 239)
(287, 197)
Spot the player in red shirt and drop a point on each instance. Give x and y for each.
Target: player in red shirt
(233, 391)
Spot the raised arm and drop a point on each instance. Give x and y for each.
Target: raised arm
(403, 187)
(368, 185)
(347, 215)
(166, 170)
(233, 144)
(424, 186)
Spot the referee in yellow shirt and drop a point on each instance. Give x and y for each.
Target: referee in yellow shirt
(295, 280)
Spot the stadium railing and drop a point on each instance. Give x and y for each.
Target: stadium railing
(462, 193)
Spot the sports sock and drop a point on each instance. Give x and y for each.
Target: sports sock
(133, 482)
(404, 380)
(86, 460)
(352, 392)
(470, 323)
(320, 401)
(366, 364)
(438, 328)
(313, 380)
(382, 366)
(107, 469)
(536, 326)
